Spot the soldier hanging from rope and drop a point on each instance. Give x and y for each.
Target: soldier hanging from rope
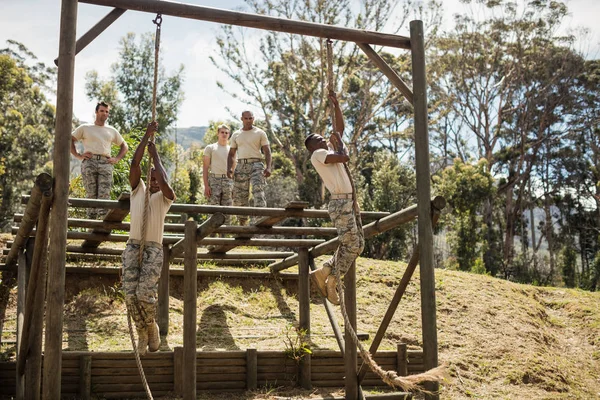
(328, 158)
(140, 279)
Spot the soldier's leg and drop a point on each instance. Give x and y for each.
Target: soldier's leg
(215, 191)
(227, 196)
(351, 242)
(258, 183)
(241, 187)
(147, 291)
(89, 177)
(130, 282)
(105, 182)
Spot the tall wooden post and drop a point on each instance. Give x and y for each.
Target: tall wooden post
(58, 219)
(304, 323)
(163, 294)
(428, 312)
(350, 358)
(22, 277)
(190, 287)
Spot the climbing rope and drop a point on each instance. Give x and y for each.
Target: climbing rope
(391, 378)
(158, 22)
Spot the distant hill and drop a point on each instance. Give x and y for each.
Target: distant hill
(185, 137)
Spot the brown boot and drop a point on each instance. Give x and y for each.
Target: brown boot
(142, 346)
(332, 293)
(153, 337)
(319, 277)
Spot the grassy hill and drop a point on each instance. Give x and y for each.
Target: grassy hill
(499, 340)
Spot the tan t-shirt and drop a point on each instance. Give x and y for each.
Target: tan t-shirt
(97, 139)
(157, 210)
(218, 158)
(334, 175)
(249, 143)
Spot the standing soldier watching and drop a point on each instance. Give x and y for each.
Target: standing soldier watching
(140, 280)
(217, 186)
(96, 160)
(250, 170)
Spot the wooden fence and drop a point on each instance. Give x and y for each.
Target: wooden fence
(115, 375)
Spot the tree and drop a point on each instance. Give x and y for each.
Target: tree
(129, 89)
(288, 83)
(506, 82)
(26, 124)
(466, 186)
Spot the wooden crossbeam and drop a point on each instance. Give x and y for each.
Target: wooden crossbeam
(266, 222)
(114, 215)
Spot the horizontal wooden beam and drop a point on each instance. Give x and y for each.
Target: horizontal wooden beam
(214, 273)
(96, 30)
(277, 24)
(259, 255)
(370, 230)
(171, 240)
(226, 229)
(228, 210)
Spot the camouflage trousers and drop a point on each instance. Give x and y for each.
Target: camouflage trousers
(350, 235)
(246, 175)
(140, 284)
(97, 176)
(221, 189)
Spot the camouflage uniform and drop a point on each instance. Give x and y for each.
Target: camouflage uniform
(221, 188)
(141, 284)
(97, 176)
(249, 174)
(350, 234)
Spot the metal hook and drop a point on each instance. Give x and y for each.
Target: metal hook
(158, 19)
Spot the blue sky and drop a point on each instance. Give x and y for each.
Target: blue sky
(35, 23)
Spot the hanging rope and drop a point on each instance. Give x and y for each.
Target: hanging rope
(157, 21)
(391, 378)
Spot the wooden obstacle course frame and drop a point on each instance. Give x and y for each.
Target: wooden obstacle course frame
(65, 81)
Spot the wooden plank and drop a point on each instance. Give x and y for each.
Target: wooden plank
(58, 218)
(163, 295)
(113, 215)
(387, 71)
(425, 231)
(190, 284)
(43, 183)
(85, 377)
(178, 370)
(96, 30)
(108, 372)
(258, 21)
(134, 378)
(239, 378)
(304, 318)
(265, 222)
(206, 209)
(251, 369)
(22, 279)
(205, 229)
(350, 359)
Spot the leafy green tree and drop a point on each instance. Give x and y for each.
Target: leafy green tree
(129, 88)
(26, 124)
(387, 186)
(466, 187)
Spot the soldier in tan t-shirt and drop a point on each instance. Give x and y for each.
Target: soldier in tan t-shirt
(96, 160)
(250, 171)
(140, 280)
(328, 158)
(217, 186)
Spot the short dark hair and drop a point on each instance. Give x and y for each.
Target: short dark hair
(103, 104)
(309, 138)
